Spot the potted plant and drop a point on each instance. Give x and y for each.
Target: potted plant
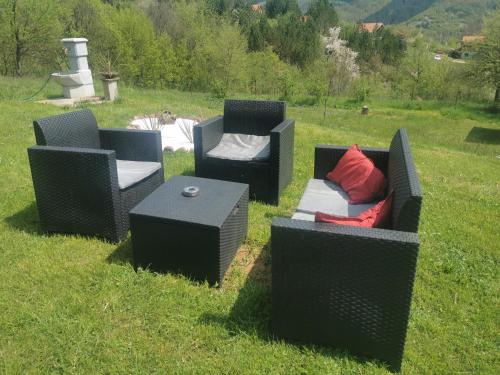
(109, 78)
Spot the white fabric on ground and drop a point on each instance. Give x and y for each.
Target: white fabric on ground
(176, 136)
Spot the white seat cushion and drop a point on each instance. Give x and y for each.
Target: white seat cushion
(130, 172)
(242, 147)
(329, 198)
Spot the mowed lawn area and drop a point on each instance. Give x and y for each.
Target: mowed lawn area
(72, 304)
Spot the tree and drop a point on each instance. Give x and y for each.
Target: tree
(361, 41)
(415, 67)
(29, 34)
(225, 65)
(91, 19)
(259, 34)
(389, 46)
(382, 45)
(297, 42)
(217, 6)
(340, 66)
(265, 71)
(316, 80)
(276, 8)
(164, 17)
(142, 57)
(342, 62)
(256, 41)
(486, 65)
(323, 14)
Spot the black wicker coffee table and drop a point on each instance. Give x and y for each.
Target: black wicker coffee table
(196, 236)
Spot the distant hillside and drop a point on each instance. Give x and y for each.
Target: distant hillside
(440, 18)
(397, 11)
(357, 10)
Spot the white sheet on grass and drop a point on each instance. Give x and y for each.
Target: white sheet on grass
(173, 136)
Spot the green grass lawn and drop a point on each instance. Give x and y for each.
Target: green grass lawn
(75, 304)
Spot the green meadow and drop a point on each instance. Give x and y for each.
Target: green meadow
(74, 304)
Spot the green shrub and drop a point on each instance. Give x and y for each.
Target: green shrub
(360, 90)
(29, 36)
(303, 100)
(265, 71)
(288, 82)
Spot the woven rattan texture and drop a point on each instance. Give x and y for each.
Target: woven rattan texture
(197, 238)
(255, 174)
(129, 144)
(345, 286)
(71, 129)
(76, 189)
(402, 177)
(342, 286)
(134, 194)
(211, 207)
(232, 233)
(256, 117)
(266, 179)
(282, 146)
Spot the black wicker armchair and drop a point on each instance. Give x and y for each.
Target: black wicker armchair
(87, 179)
(350, 287)
(271, 170)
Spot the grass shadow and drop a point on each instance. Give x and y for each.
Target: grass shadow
(53, 96)
(122, 255)
(26, 220)
(483, 135)
(481, 112)
(251, 311)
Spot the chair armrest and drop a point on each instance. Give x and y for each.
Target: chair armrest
(207, 134)
(326, 158)
(132, 144)
(71, 183)
(383, 253)
(375, 234)
(347, 286)
(284, 126)
(282, 151)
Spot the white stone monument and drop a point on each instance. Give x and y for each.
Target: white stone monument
(77, 83)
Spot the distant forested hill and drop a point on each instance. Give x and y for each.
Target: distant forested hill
(358, 10)
(440, 18)
(397, 11)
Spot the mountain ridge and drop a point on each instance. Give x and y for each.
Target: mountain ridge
(442, 19)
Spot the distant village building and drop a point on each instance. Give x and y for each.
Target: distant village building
(372, 26)
(468, 45)
(471, 39)
(259, 7)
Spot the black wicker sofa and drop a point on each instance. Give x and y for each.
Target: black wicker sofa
(267, 175)
(87, 179)
(350, 287)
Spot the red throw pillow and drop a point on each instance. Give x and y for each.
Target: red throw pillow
(358, 176)
(375, 217)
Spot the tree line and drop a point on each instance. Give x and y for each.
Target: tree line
(220, 46)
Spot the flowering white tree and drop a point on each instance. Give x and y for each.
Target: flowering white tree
(342, 66)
